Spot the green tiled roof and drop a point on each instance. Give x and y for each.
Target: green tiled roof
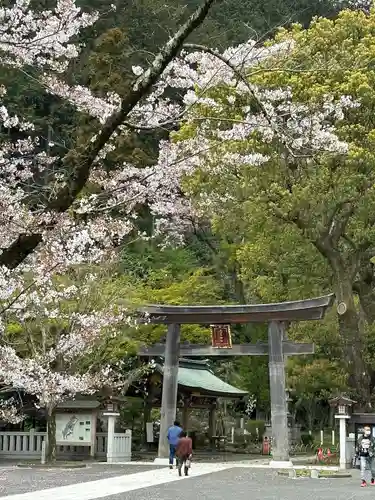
(197, 375)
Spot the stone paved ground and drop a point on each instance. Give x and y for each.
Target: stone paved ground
(207, 482)
(253, 484)
(19, 480)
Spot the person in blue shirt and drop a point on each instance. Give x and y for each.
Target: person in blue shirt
(173, 436)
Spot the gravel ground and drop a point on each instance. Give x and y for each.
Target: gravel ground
(254, 484)
(16, 480)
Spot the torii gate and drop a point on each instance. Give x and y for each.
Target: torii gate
(277, 315)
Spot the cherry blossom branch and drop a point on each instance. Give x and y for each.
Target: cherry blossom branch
(21, 293)
(78, 162)
(227, 60)
(9, 411)
(244, 80)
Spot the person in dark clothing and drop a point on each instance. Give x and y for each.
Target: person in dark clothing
(366, 452)
(184, 453)
(173, 435)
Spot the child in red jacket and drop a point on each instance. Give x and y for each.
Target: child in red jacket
(183, 453)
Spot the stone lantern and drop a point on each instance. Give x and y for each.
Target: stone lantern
(343, 406)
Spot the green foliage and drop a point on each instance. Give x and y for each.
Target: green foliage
(172, 276)
(253, 373)
(317, 379)
(197, 287)
(307, 439)
(253, 425)
(312, 383)
(297, 226)
(130, 418)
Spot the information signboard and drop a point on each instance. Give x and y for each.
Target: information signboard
(74, 429)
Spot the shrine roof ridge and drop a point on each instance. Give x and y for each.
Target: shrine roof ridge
(308, 309)
(199, 377)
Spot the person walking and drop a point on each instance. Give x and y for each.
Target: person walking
(366, 452)
(184, 453)
(173, 435)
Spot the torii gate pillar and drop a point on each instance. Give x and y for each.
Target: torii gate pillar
(169, 392)
(279, 410)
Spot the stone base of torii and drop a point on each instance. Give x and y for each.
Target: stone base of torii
(278, 347)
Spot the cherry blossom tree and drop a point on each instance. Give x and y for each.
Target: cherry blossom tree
(47, 225)
(60, 323)
(43, 40)
(34, 211)
(38, 218)
(9, 411)
(44, 229)
(271, 144)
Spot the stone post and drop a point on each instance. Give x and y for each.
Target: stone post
(94, 418)
(342, 419)
(31, 440)
(111, 435)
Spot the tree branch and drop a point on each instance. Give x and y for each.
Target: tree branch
(350, 242)
(78, 162)
(241, 77)
(338, 225)
(22, 292)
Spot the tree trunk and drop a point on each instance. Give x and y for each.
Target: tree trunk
(51, 436)
(310, 416)
(351, 336)
(364, 287)
(366, 295)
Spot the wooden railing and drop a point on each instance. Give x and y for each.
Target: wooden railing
(123, 446)
(28, 445)
(21, 444)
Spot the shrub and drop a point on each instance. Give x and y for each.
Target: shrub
(307, 439)
(240, 440)
(252, 426)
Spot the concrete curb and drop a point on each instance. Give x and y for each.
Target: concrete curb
(251, 465)
(52, 466)
(314, 474)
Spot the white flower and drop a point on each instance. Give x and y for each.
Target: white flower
(137, 70)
